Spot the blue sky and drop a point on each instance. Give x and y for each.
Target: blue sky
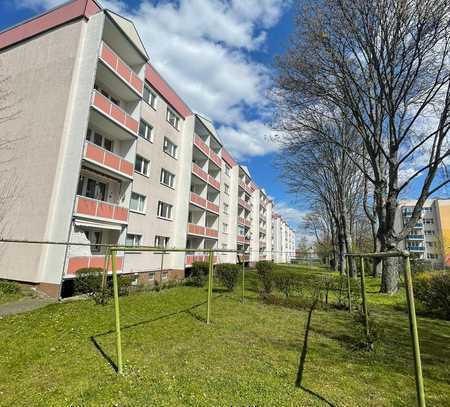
(218, 55)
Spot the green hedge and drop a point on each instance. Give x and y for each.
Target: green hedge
(199, 273)
(432, 290)
(228, 274)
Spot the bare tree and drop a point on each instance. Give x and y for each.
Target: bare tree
(384, 66)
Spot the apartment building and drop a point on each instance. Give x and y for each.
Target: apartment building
(103, 151)
(282, 240)
(430, 238)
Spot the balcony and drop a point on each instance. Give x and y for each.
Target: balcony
(121, 69)
(77, 263)
(190, 258)
(114, 113)
(243, 239)
(245, 187)
(415, 249)
(199, 172)
(215, 158)
(204, 203)
(202, 231)
(244, 204)
(213, 182)
(201, 145)
(415, 237)
(107, 160)
(100, 210)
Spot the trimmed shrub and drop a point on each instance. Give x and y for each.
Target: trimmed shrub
(432, 290)
(88, 281)
(8, 287)
(124, 282)
(264, 270)
(199, 273)
(286, 282)
(228, 274)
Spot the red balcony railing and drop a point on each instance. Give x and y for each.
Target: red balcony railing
(107, 159)
(190, 258)
(215, 158)
(201, 145)
(196, 229)
(77, 263)
(211, 232)
(198, 200)
(120, 68)
(212, 207)
(199, 172)
(99, 209)
(245, 187)
(213, 182)
(244, 204)
(114, 112)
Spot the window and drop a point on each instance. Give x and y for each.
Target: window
(227, 169)
(145, 130)
(162, 241)
(164, 210)
(151, 276)
(225, 227)
(141, 165)
(225, 208)
(133, 240)
(428, 221)
(164, 275)
(241, 231)
(224, 246)
(137, 202)
(95, 239)
(227, 189)
(167, 178)
(429, 232)
(172, 118)
(99, 140)
(149, 96)
(92, 188)
(169, 148)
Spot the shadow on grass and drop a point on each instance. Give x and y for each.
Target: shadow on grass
(301, 367)
(188, 311)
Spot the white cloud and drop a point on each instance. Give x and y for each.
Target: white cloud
(202, 48)
(293, 216)
(38, 4)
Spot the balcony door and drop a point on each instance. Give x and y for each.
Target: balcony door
(92, 188)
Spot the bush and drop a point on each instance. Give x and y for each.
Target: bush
(124, 283)
(199, 273)
(420, 265)
(8, 287)
(228, 274)
(432, 290)
(286, 282)
(264, 269)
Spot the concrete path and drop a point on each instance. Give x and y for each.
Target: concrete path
(24, 305)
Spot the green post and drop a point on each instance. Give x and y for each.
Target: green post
(210, 281)
(414, 334)
(243, 277)
(349, 289)
(364, 299)
(117, 312)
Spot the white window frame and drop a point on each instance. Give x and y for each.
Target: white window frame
(227, 169)
(225, 227)
(171, 115)
(165, 239)
(144, 161)
(152, 102)
(226, 188)
(149, 130)
(226, 207)
(142, 199)
(171, 177)
(164, 275)
(137, 239)
(171, 146)
(164, 209)
(90, 136)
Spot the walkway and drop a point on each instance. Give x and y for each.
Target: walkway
(24, 305)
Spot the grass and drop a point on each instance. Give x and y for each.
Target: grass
(252, 354)
(11, 291)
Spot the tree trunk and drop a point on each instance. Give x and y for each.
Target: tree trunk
(390, 275)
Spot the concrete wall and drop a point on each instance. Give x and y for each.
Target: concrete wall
(51, 76)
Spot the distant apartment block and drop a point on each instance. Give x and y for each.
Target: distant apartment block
(104, 151)
(430, 237)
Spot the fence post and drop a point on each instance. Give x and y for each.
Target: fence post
(210, 278)
(349, 290)
(243, 277)
(414, 334)
(364, 299)
(117, 312)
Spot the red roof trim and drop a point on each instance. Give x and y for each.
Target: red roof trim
(226, 156)
(153, 77)
(47, 21)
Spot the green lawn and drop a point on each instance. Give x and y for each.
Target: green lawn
(251, 355)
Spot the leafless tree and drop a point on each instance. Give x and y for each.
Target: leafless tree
(384, 66)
